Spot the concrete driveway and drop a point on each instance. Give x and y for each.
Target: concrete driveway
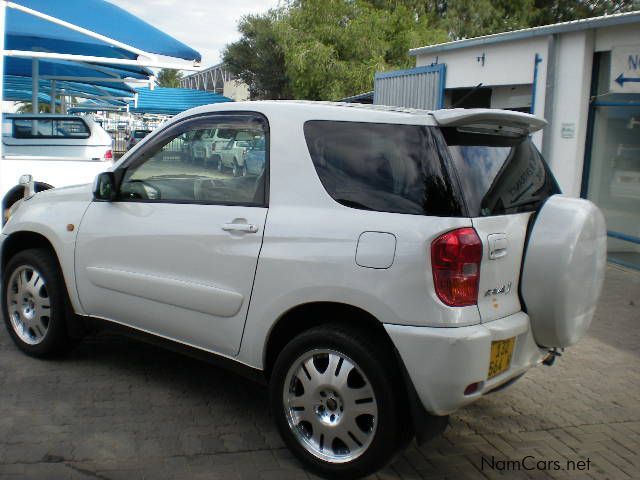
(117, 409)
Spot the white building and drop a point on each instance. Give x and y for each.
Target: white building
(584, 78)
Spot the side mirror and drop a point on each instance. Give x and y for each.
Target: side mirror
(104, 187)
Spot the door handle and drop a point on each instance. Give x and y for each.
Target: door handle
(240, 227)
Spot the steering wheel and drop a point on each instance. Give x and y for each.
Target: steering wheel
(140, 189)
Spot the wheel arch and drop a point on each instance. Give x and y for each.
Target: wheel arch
(306, 316)
(25, 240)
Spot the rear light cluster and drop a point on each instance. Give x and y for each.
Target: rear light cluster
(455, 261)
(108, 156)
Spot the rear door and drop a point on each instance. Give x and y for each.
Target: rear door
(504, 181)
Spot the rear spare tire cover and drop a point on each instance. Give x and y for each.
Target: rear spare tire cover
(564, 269)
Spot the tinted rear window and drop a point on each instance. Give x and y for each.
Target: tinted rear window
(383, 167)
(499, 175)
(49, 128)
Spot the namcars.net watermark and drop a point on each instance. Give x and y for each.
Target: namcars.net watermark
(530, 463)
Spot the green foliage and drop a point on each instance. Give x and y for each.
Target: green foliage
(330, 49)
(169, 78)
(27, 107)
(258, 57)
(334, 47)
(554, 11)
(473, 18)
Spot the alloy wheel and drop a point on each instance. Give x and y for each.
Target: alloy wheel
(28, 304)
(330, 406)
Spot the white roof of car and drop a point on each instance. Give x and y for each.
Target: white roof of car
(310, 110)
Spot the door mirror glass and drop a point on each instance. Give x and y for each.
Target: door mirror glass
(104, 187)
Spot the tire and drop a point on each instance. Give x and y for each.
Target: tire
(217, 162)
(361, 443)
(243, 170)
(235, 169)
(31, 281)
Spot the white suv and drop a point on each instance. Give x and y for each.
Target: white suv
(386, 268)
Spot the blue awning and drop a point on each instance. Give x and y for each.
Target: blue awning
(27, 32)
(171, 101)
(21, 67)
(18, 89)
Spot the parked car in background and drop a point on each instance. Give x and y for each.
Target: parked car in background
(232, 153)
(57, 150)
(136, 136)
(391, 266)
(255, 156)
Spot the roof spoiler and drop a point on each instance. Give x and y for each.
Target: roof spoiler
(489, 121)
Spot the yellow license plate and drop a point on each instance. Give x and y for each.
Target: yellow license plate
(501, 352)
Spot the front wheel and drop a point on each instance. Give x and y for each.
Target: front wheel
(35, 303)
(334, 398)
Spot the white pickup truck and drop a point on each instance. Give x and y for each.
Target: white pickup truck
(386, 268)
(58, 150)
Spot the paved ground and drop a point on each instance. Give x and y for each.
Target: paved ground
(116, 409)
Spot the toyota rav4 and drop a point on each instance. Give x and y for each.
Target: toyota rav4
(385, 268)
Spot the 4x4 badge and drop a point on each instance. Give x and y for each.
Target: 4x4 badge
(504, 289)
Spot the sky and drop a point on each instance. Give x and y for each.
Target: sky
(205, 25)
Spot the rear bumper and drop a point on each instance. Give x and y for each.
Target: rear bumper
(442, 362)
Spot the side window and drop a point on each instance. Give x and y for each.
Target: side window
(382, 167)
(184, 168)
(50, 128)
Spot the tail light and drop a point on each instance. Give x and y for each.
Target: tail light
(455, 261)
(108, 156)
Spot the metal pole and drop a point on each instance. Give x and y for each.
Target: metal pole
(63, 103)
(35, 74)
(3, 8)
(53, 96)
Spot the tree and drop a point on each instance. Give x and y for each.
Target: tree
(333, 48)
(330, 49)
(325, 49)
(27, 107)
(473, 18)
(258, 58)
(554, 11)
(169, 78)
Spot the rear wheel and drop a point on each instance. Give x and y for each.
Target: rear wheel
(335, 401)
(236, 168)
(35, 303)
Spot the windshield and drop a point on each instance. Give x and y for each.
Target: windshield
(499, 175)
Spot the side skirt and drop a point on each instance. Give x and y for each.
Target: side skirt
(93, 324)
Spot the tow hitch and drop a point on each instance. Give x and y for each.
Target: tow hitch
(551, 356)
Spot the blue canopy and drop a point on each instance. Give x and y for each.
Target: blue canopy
(171, 101)
(21, 67)
(18, 89)
(27, 32)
